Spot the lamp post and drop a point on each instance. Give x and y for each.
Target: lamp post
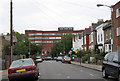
(11, 33)
(111, 7)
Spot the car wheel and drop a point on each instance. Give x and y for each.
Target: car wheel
(117, 79)
(11, 79)
(104, 75)
(36, 77)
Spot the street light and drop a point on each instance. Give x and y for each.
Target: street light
(111, 7)
(11, 33)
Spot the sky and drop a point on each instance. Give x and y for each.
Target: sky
(48, 15)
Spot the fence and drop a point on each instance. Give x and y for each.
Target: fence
(6, 60)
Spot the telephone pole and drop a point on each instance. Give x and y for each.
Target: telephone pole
(11, 33)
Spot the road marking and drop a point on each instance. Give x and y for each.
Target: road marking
(91, 75)
(81, 70)
(59, 74)
(68, 77)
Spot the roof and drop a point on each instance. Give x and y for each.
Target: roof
(107, 26)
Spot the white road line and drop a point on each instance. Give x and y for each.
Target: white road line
(81, 70)
(68, 77)
(59, 74)
(91, 75)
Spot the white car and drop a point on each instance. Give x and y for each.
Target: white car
(38, 59)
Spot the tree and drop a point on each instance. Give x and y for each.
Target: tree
(6, 49)
(67, 42)
(63, 45)
(56, 49)
(22, 45)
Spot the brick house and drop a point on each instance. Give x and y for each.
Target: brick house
(116, 27)
(107, 37)
(85, 38)
(93, 36)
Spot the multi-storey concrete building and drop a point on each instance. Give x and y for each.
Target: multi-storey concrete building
(116, 27)
(47, 38)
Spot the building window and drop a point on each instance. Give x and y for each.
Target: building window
(118, 31)
(110, 33)
(106, 47)
(98, 38)
(101, 38)
(106, 35)
(109, 47)
(117, 12)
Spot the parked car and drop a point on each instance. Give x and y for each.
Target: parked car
(38, 59)
(111, 65)
(23, 69)
(54, 58)
(59, 58)
(48, 58)
(66, 59)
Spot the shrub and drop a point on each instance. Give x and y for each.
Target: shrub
(85, 58)
(93, 61)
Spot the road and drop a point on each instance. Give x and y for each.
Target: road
(63, 71)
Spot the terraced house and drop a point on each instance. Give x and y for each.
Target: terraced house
(116, 27)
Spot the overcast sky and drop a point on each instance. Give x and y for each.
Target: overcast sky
(51, 14)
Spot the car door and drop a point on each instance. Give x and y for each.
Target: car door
(105, 63)
(110, 64)
(114, 68)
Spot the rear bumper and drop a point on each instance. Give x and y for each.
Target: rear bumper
(23, 75)
(68, 61)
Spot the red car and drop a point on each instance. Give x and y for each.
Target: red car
(23, 69)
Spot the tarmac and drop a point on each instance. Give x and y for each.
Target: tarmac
(86, 65)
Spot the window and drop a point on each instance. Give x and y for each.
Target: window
(106, 47)
(118, 31)
(31, 34)
(106, 57)
(106, 35)
(109, 47)
(101, 38)
(117, 12)
(110, 58)
(110, 33)
(98, 38)
(115, 57)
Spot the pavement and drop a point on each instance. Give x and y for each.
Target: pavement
(4, 74)
(90, 66)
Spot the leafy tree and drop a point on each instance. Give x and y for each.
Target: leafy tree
(6, 49)
(22, 45)
(66, 40)
(65, 44)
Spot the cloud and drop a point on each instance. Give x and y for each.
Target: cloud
(51, 14)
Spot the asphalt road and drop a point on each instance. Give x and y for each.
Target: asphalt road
(58, 70)
(52, 70)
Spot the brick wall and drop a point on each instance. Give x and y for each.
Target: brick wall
(116, 24)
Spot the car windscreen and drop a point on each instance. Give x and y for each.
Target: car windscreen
(59, 57)
(19, 63)
(67, 58)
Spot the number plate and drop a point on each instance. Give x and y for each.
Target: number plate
(21, 70)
